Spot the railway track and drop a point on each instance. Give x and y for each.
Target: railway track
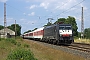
(75, 48)
(80, 46)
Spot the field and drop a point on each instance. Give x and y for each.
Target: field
(40, 51)
(87, 41)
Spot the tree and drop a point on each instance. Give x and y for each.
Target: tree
(18, 29)
(87, 33)
(34, 29)
(72, 21)
(79, 34)
(1, 27)
(48, 24)
(69, 20)
(28, 31)
(60, 20)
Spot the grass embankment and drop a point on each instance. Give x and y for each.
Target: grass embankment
(87, 41)
(42, 52)
(14, 49)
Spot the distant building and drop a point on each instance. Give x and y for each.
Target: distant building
(6, 33)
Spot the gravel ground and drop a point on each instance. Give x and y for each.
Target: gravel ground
(86, 55)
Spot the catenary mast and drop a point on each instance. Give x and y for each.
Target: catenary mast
(82, 25)
(5, 24)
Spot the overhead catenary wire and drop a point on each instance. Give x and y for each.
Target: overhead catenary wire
(14, 8)
(70, 8)
(39, 17)
(55, 16)
(60, 6)
(67, 9)
(88, 13)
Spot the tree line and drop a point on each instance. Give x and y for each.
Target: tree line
(69, 20)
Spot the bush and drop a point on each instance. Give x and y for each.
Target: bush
(2, 39)
(21, 54)
(26, 45)
(11, 40)
(75, 37)
(18, 44)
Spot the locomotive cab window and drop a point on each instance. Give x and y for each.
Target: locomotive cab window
(68, 27)
(61, 27)
(65, 27)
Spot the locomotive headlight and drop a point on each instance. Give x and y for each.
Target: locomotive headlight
(60, 34)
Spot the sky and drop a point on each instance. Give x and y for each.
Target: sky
(30, 14)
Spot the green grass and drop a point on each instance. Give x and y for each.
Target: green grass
(11, 44)
(5, 48)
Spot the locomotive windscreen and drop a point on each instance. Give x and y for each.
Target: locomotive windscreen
(65, 27)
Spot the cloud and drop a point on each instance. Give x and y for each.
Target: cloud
(27, 22)
(22, 19)
(45, 5)
(65, 4)
(24, 13)
(33, 1)
(10, 20)
(33, 6)
(56, 4)
(1, 21)
(31, 14)
(3, 0)
(32, 22)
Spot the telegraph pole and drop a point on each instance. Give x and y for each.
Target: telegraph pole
(82, 25)
(15, 29)
(5, 24)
